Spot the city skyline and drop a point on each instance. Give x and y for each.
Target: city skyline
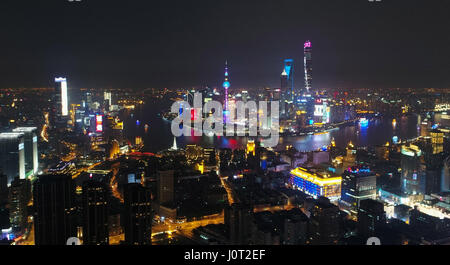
(224, 124)
(111, 44)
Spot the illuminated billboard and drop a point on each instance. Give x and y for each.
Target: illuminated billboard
(318, 110)
(99, 123)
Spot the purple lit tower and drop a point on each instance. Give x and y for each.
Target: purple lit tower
(307, 49)
(226, 85)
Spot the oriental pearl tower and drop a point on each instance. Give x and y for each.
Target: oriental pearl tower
(226, 85)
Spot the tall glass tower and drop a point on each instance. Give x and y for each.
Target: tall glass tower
(63, 92)
(307, 50)
(289, 76)
(283, 91)
(12, 155)
(31, 149)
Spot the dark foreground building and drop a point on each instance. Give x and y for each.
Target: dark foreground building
(95, 213)
(137, 216)
(54, 209)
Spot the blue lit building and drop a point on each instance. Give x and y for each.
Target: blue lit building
(287, 86)
(316, 184)
(413, 170)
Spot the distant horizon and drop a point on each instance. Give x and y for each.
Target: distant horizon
(199, 87)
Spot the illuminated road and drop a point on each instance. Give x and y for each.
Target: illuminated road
(275, 208)
(27, 238)
(114, 182)
(81, 170)
(168, 227)
(230, 193)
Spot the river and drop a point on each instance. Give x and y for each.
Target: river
(159, 137)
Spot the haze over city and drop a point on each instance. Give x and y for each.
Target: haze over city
(175, 44)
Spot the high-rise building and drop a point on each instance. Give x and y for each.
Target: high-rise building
(287, 89)
(62, 91)
(413, 170)
(283, 92)
(445, 181)
(295, 228)
(54, 209)
(3, 188)
(137, 217)
(321, 111)
(307, 51)
(165, 181)
(95, 213)
(209, 155)
(88, 100)
(437, 141)
(358, 184)
(238, 218)
(31, 149)
(434, 157)
(19, 196)
(325, 223)
(371, 216)
(12, 155)
(107, 97)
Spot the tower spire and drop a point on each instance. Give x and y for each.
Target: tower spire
(226, 85)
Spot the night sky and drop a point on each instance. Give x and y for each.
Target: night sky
(140, 44)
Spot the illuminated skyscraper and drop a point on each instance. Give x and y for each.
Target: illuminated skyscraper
(307, 50)
(12, 155)
(62, 90)
(437, 141)
(226, 85)
(287, 85)
(107, 98)
(358, 184)
(31, 149)
(413, 170)
(284, 85)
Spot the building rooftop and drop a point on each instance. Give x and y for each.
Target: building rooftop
(25, 129)
(319, 178)
(411, 150)
(11, 135)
